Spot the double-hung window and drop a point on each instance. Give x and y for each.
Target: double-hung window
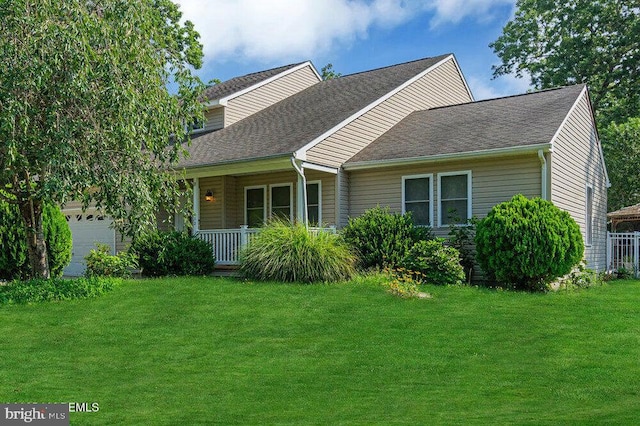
(281, 201)
(417, 198)
(314, 203)
(255, 202)
(454, 194)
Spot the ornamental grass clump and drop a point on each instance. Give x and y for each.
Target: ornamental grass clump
(287, 252)
(527, 243)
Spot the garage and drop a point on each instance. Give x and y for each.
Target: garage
(87, 229)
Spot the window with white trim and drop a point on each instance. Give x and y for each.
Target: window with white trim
(314, 203)
(417, 198)
(454, 194)
(255, 206)
(282, 201)
(589, 216)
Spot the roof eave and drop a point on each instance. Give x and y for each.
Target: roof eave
(468, 155)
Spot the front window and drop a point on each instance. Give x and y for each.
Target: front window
(454, 191)
(254, 206)
(281, 201)
(417, 198)
(313, 203)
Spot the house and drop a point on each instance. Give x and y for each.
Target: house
(283, 142)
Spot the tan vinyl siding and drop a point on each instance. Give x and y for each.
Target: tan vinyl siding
(493, 181)
(441, 86)
(576, 163)
(214, 119)
(230, 202)
(269, 94)
(211, 211)
(342, 199)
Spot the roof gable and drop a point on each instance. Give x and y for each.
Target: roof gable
(238, 85)
(293, 122)
(511, 122)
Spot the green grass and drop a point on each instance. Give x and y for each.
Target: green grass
(213, 350)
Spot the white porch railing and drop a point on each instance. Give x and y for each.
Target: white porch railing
(226, 243)
(623, 251)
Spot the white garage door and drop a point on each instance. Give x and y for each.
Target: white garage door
(87, 229)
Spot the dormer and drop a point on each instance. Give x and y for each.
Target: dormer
(232, 100)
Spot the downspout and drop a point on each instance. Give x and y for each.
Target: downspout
(543, 173)
(302, 213)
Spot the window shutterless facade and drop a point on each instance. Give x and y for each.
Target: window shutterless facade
(454, 198)
(282, 201)
(314, 203)
(255, 202)
(417, 198)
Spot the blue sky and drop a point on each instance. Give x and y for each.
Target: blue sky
(244, 36)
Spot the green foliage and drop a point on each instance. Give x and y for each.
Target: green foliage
(403, 283)
(76, 71)
(101, 263)
(14, 262)
(42, 290)
(580, 277)
(289, 252)
(461, 238)
(434, 263)
(525, 243)
(327, 72)
(621, 145)
(163, 253)
(558, 43)
(382, 238)
(57, 236)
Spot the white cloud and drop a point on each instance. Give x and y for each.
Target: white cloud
(506, 85)
(285, 29)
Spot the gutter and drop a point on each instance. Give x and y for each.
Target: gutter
(543, 174)
(302, 190)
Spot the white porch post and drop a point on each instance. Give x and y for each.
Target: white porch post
(196, 205)
(301, 194)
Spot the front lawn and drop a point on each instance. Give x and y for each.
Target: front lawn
(215, 350)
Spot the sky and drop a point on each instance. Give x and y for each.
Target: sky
(245, 36)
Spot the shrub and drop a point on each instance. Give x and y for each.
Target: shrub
(14, 258)
(163, 253)
(101, 263)
(382, 238)
(580, 277)
(434, 263)
(287, 252)
(525, 243)
(41, 290)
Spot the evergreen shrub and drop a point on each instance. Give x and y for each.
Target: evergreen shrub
(434, 263)
(101, 263)
(381, 238)
(527, 243)
(162, 253)
(14, 257)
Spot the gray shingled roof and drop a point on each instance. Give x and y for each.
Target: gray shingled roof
(513, 121)
(237, 84)
(295, 121)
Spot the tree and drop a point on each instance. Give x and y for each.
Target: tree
(85, 113)
(621, 145)
(561, 42)
(327, 72)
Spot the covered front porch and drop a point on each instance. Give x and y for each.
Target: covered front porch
(231, 203)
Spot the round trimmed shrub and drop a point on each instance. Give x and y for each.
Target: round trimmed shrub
(287, 252)
(381, 238)
(434, 263)
(526, 243)
(162, 253)
(14, 257)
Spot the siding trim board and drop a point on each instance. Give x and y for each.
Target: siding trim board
(301, 153)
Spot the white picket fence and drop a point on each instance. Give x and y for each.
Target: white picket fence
(623, 251)
(226, 243)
